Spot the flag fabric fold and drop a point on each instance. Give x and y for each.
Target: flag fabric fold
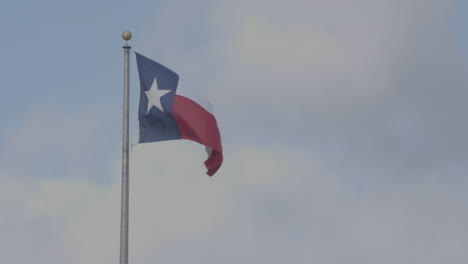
(171, 109)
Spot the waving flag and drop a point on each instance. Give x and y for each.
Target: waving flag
(170, 109)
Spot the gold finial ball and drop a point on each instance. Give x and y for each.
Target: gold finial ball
(127, 35)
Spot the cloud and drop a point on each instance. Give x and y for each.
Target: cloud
(373, 90)
(55, 141)
(50, 170)
(266, 205)
(378, 84)
(343, 141)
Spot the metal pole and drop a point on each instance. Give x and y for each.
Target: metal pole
(125, 155)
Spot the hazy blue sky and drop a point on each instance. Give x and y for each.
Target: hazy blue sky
(343, 123)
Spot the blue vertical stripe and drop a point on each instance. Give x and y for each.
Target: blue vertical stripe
(156, 125)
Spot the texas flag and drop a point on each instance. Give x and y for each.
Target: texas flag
(170, 109)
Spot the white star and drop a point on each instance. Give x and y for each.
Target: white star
(154, 96)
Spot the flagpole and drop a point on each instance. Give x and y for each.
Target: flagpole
(126, 35)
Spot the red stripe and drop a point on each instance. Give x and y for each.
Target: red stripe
(197, 124)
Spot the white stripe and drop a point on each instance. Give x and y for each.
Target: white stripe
(208, 151)
(190, 92)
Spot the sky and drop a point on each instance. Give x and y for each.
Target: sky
(343, 126)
